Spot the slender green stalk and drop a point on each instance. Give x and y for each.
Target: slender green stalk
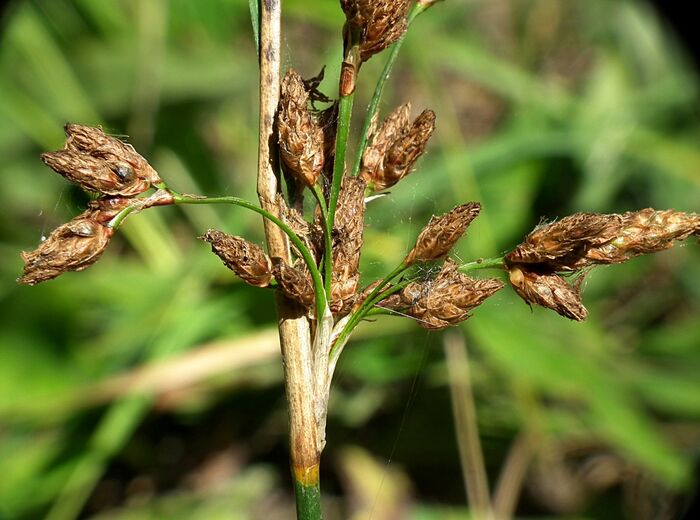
(328, 239)
(308, 497)
(417, 9)
(341, 144)
(482, 263)
(303, 250)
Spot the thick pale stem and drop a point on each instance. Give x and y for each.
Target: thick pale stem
(295, 334)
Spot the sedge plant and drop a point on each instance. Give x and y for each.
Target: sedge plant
(312, 197)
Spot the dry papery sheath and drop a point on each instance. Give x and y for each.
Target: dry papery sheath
(379, 23)
(444, 301)
(395, 147)
(442, 233)
(101, 163)
(73, 246)
(243, 257)
(301, 139)
(347, 244)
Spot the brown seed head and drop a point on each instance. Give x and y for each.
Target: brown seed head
(395, 147)
(441, 233)
(73, 246)
(294, 282)
(347, 244)
(393, 127)
(448, 299)
(645, 231)
(301, 140)
(101, 163)
(379, 23)
(549, 290)
(244, 258)
(570, 236)
(404, 153)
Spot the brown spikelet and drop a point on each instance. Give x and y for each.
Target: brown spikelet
(447, 300)
(404, 153)
(294, 282)
(572, 235)
(586, 239)
(395, 147)
(441, 233)
(549, 290)
(101, 163)
(244, 258)
(300, 138)
(310, 234)
(347, 244)
(378, 22)
(73, 246)
(645, 231)
(382, 139)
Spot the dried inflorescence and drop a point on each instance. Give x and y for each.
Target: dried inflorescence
(301, 139)
(73, 246)
(395, 147)
(378, 23)
(243, 257)
(347, 244)
(445, 301)
(442, 233)
(584, 240)
(294, 282)
(549, 290)
(101, 163)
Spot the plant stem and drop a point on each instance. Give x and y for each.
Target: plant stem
(307, 491)
(294, 327)
(482, 263)
(417, 9)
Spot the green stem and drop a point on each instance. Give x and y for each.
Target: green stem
(482, 263)
(303, 250)
(341, 143)
(308, 499)
(328, 239)
(417, 9)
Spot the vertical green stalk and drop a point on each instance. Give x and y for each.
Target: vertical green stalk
(307, 491)
(341, 144)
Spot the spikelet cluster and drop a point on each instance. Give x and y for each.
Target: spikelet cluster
(584, 240)
(98, 163)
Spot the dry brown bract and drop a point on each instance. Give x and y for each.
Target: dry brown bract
(244, 258)
(101, 163)
(446, 300)
(300, 138)
(379, 23)
(73, 246)
(441, 233)
(395, 147)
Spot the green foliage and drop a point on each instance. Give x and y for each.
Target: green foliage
(597, 114)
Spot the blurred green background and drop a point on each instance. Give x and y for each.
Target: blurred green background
(149, 386)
